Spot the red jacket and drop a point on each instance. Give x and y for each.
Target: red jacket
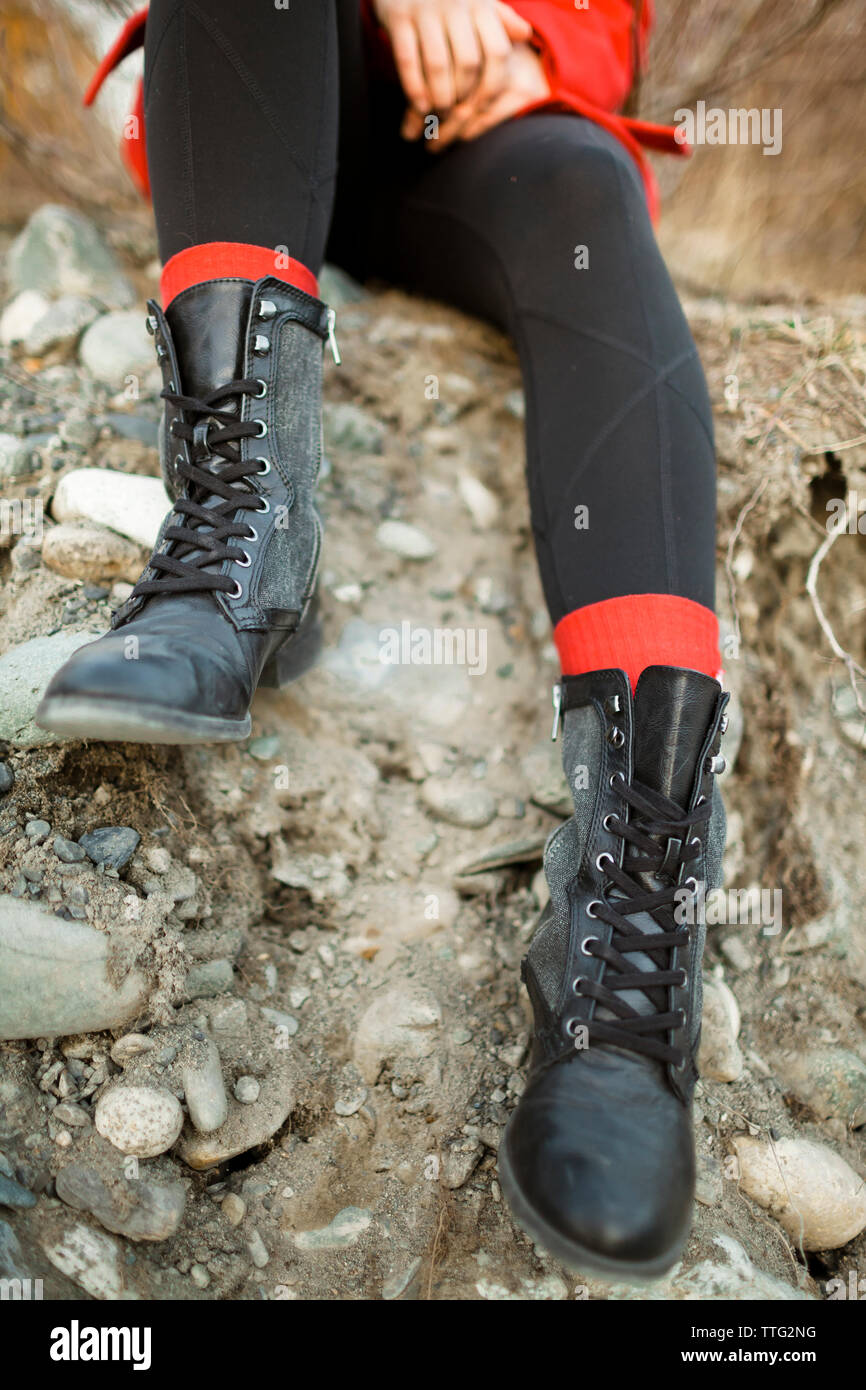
(591, 57)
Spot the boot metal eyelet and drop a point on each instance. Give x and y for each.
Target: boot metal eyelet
(267, 309)
(253, 534)
(266, 508)
(602, 860)
(245, 562)
(265, 466)
(616, 737)
(236, 591)
(608, 821)
(615, 779)
(684, 981)
(576, 983)
(262, 429)
(257, 395)
(261, 345)
(587, 941)
(572, 1026)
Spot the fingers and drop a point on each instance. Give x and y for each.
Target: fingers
(496, 47)
(505, 106)
(465, 51)
(407, 58)
(449, 53)
(452, 128)
(413, 124)
(518, 29)
(436, 56)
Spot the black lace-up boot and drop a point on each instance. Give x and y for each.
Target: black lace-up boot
(227, 600)
(597, 1161)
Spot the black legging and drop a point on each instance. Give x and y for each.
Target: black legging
(243, 134)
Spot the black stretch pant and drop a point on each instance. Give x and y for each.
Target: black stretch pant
(264, 126)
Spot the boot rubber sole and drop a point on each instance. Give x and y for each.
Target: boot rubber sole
(136, 721)
(577, 1257)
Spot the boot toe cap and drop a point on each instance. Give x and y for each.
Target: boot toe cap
(611, 1181)
(150, 668)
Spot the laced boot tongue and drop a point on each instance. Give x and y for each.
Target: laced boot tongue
(672, 712)
(208, 324)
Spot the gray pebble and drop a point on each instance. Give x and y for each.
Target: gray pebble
(12, 1194)
(247, 1090)
(210, 978)
(113, 845)
(68, 850)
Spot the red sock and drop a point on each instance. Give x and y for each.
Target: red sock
(637, 631)
(216, 260)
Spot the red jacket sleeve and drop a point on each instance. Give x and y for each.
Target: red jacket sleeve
(590, 53)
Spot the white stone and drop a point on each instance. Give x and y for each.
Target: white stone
(480, 502)
(812, 1192)
(405, 540)
(91, 1260)
(719, 1058)
(131, 505)
(140, 1120)
(459, 801)
(54, 976)
(129, 1046)
(116, 347)
(247, 1090)
(234, 1209)
(205, 1091)
(401, 1023)
(21, 315)
(61, 325)
(24, 673)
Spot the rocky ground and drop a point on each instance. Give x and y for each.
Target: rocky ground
(261, 1005)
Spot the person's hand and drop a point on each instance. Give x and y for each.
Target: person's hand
(447, 50)
(526, 82)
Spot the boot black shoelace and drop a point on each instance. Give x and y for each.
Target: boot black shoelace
(216, 471)
(660, 840)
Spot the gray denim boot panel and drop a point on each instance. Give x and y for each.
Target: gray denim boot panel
(283, 575)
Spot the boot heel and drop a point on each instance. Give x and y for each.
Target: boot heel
(295, 657)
